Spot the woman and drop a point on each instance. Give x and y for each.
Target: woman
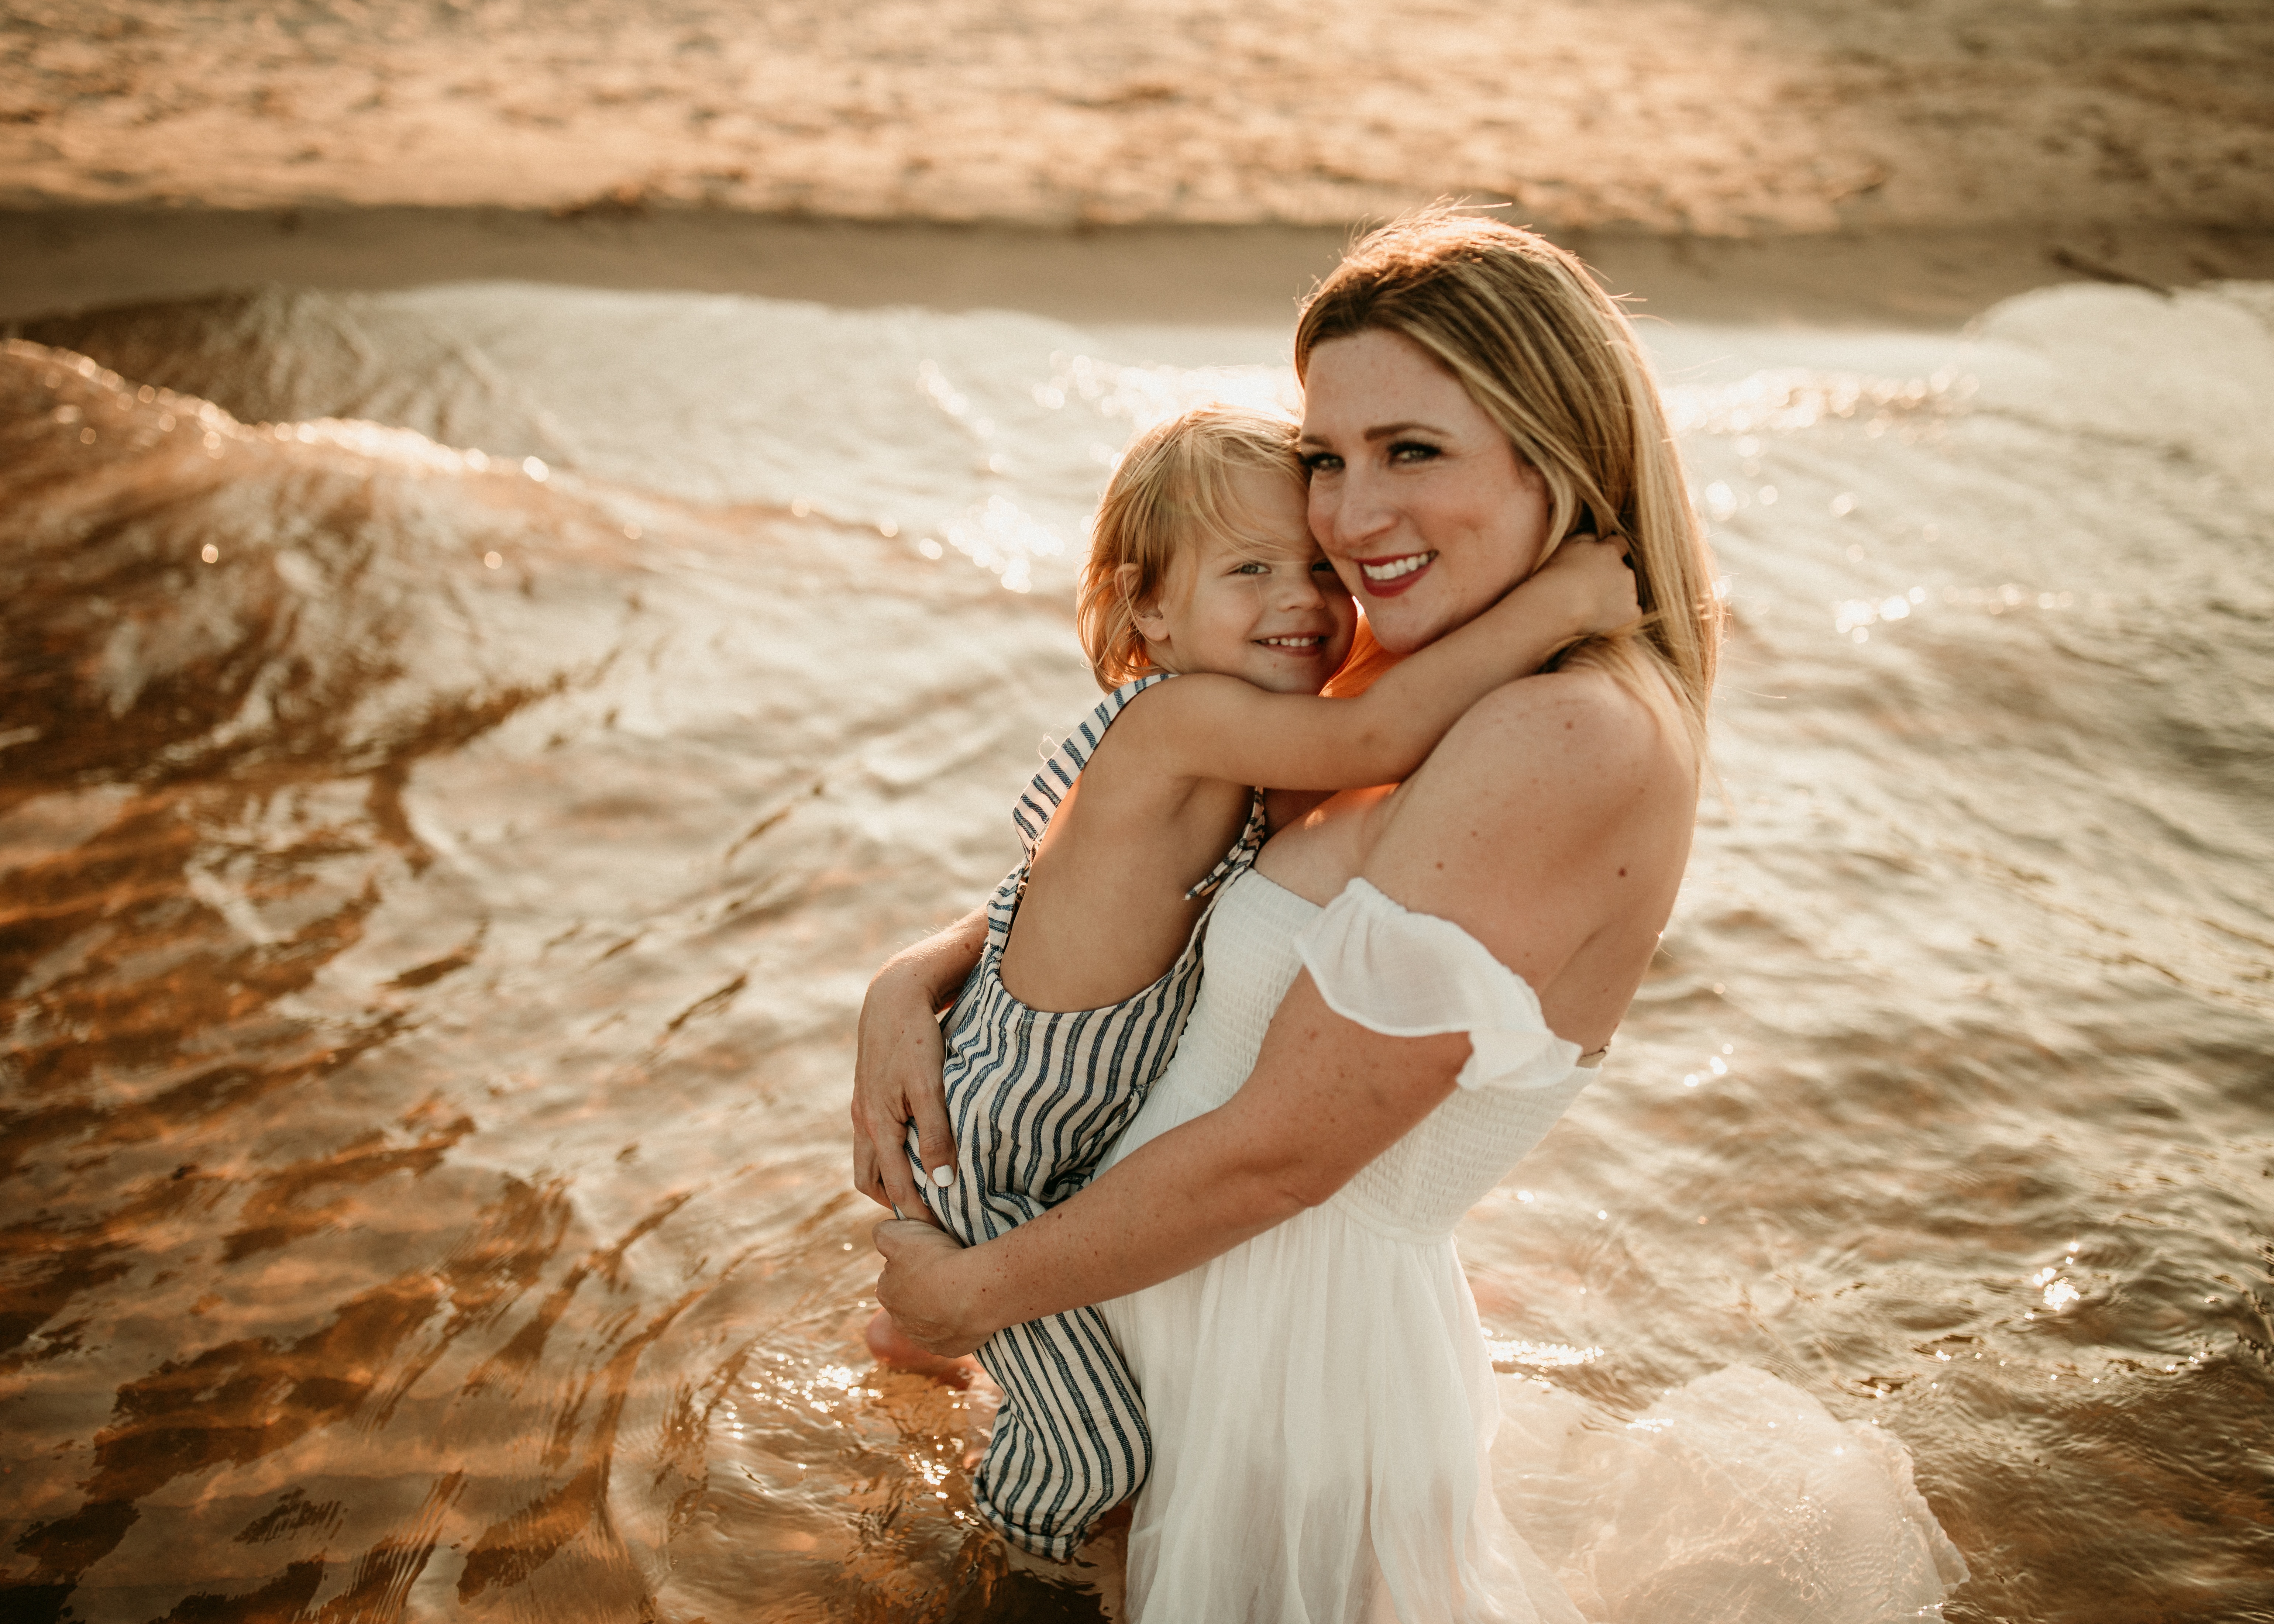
(1273, 1253)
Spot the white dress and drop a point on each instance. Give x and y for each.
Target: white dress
(1322, 1404)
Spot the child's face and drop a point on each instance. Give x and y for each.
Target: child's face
(1274, 615)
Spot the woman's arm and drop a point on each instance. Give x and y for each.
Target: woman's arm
(1212, 726)
(896, 1071)
(1538, 809)
(1327, 1096)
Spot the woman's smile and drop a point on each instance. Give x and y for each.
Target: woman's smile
(1387, 577)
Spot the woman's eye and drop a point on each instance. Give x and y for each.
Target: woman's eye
(1323, 463)
(1411, 451)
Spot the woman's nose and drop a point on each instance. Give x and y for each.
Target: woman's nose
(1354, 511)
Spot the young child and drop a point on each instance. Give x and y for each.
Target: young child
(1201, 567)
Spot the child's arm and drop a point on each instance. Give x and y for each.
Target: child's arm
(1219, 727)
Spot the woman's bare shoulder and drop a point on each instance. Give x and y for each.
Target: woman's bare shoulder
(1558, 810)
(1579, 736)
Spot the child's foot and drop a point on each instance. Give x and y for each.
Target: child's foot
(887, 1346)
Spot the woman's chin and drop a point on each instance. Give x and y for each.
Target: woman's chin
(1413, 620)
(1402, 625)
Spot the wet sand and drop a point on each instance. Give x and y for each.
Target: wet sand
(1714, 117)
(1817, 162)
(1169, 275)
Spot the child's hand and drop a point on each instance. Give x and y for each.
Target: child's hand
(1594, 580)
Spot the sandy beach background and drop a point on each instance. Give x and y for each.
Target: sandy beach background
(1905, 160)
(1717, 118)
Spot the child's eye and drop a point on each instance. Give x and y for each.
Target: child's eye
(1325, 564)
(1251, 567)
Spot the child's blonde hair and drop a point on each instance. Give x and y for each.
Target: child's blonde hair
(1173, 486)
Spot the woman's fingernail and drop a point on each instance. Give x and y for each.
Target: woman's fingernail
(942, 1175)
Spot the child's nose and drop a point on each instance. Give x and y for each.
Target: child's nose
(1300, 590)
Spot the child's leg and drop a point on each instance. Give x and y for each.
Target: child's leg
(1070, 1442)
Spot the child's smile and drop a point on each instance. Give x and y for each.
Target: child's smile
(1267, 608)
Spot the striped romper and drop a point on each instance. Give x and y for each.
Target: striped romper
(1035, 1099)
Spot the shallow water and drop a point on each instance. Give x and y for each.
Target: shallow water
(439, 887)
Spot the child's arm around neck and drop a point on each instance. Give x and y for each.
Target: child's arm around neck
(1219, 727)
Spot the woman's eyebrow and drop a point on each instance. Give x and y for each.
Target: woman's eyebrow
(1379, 432)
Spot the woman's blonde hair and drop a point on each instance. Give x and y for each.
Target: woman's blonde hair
(1173, 487)
(1551, 359)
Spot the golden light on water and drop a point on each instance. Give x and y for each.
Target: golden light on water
(1518, 1355)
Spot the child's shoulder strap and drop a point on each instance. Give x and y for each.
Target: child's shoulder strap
(1243, 854)
(1063, 765)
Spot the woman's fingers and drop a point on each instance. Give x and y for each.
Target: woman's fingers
(869, 1178)
(895, 1080)
(900, 1240)
(915, 1289)
(919, 1056)
(935, 1140)
(887, 1140)
(864, 1166)
(908, 1192)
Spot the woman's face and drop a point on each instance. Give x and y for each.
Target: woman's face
(1425, 509)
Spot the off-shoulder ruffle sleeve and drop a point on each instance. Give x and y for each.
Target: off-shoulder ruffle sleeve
(1414, 975)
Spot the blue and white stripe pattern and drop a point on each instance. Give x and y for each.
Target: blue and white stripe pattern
(1036, 1098)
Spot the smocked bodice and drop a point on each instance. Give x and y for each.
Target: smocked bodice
(1419, 1187)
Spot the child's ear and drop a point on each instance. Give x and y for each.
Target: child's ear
(1144, 614)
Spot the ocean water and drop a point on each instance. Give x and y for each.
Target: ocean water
(463, 752)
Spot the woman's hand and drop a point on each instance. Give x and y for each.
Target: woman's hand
(923, 1288)
(1597, 580)
(896, 1072)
